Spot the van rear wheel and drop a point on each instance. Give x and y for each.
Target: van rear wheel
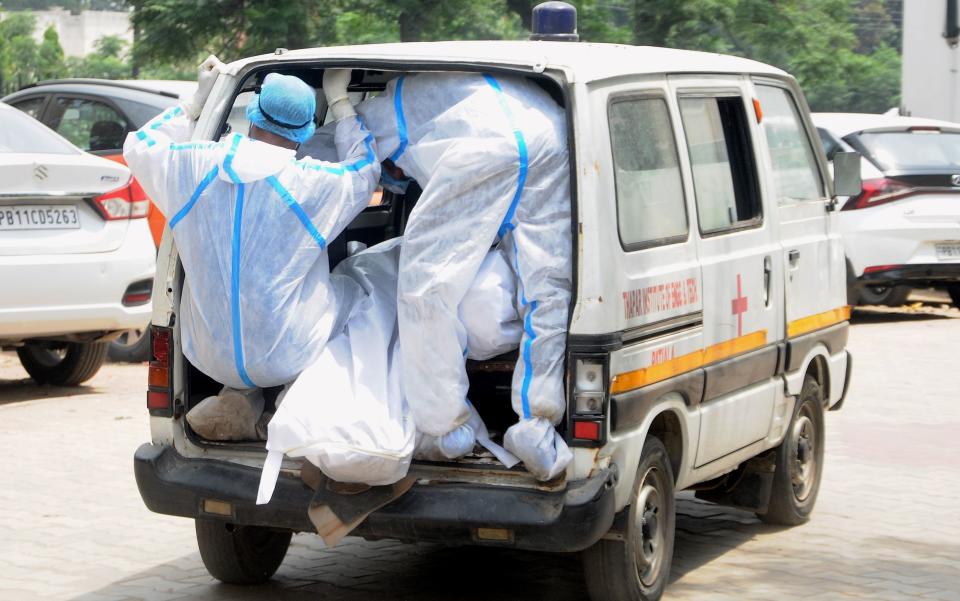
(799, 461)
(241, 554)
(637, 568)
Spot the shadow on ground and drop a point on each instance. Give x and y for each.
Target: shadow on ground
(868, 315)
(16, 391)
(389, 570)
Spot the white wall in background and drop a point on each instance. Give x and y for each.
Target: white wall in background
(79, 30)
(931, 85)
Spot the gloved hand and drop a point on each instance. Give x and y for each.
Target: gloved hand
(335, 83)
(207, 76)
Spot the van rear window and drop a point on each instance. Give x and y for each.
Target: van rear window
(650, 202)
(721, 156)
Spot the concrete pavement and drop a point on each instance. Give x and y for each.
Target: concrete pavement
(72, 525)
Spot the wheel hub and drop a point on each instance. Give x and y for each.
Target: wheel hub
(648, 544)
(803, 463)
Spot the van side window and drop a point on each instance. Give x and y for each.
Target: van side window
(796, 175)
(724, 171)
(650, 202)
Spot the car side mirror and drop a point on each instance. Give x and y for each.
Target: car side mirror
(846, 174)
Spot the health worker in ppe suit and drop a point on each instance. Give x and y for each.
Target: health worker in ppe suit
(251, 225)
(490, 154)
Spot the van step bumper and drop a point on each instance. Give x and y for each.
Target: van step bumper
(570, 519)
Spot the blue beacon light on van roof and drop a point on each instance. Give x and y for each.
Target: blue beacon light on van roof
(555, 22)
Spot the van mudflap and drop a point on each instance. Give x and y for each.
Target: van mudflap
(568, 519)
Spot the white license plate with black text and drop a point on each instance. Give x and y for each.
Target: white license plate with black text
(39, 217)
(948, 251)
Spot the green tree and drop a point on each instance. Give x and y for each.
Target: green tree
(20, 51)
(843, 52)
(815, 40)
(50, 61)
(107, 61)
(183, 30)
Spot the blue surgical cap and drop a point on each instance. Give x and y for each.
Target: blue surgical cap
(284, 106)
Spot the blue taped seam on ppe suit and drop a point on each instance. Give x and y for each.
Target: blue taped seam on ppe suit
(250, 223)
(401, 120)
(201, 187)
(491, 157)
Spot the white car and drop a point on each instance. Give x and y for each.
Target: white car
(903, 230)
(76, 256)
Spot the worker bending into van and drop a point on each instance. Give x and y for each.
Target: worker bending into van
(251, 224)
(490, 154)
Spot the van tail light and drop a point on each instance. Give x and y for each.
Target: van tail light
(128, 202)
(587, 409)
(877, 192)
(160, 373)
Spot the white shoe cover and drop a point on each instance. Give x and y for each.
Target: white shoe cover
(457, 443)
(442, 449)
(543, 451)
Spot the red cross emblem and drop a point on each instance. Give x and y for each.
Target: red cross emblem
(739, 307)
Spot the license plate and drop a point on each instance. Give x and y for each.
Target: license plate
(948, 251)
(39, 217)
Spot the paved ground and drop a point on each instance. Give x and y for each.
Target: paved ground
(72, 525)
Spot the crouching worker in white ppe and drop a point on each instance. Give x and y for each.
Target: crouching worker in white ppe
(251, 224)
(491, 156)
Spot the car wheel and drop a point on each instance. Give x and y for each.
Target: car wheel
(637, 568)
(133, 346)
(62, 363)
(891, 296)
(241, 554)
(799, 461)
(954, 292)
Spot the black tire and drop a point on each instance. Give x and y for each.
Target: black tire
(954, 291)
(241, 554)
(62, 364)
(132, 346)
(891, 296)
(638, 568)
(799, 461)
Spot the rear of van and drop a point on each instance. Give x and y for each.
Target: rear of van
(474, 499)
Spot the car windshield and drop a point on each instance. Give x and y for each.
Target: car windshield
(20, 133)
(926, 150)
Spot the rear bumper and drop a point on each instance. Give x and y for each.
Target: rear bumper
(928, 274)
(566, 520)
(64, 294)
(899, 233)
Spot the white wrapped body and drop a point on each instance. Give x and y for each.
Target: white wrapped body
(346, 413)
(491, 156)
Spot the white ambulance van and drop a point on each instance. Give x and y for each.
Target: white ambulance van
(706, 337)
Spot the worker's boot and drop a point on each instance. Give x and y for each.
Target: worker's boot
(231, 415)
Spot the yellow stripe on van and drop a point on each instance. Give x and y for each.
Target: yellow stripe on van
(678, 365)
(818, 321)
